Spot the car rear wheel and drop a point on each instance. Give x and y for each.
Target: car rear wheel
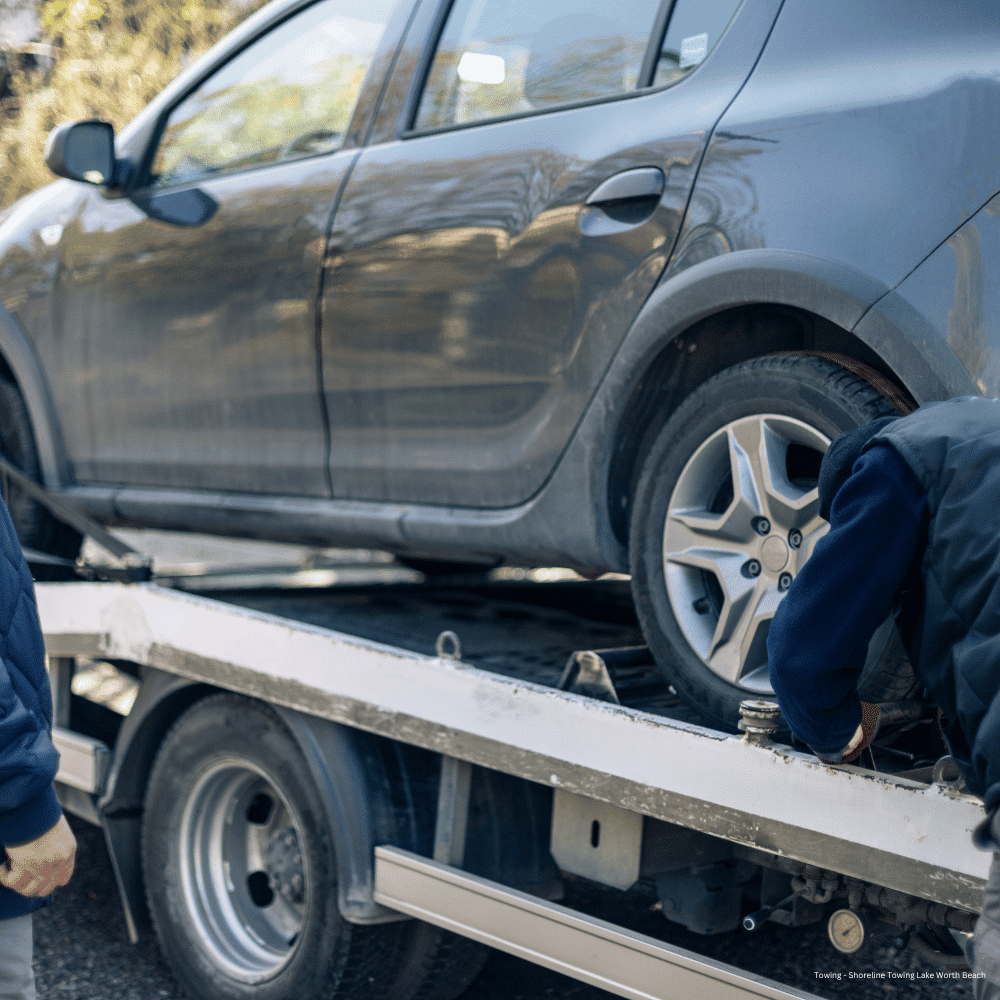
(726, 513)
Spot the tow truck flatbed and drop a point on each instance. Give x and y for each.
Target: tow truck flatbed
(496, 704)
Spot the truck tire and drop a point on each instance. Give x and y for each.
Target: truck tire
(710, 560)
(240, 869)
(435, 964)
(432, 963)
(36, 527)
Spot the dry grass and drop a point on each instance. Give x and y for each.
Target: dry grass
(113, 56)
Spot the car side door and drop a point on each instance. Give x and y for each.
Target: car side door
(521, 193)
(194, 298)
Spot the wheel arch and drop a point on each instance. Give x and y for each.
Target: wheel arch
(345, 764)
(20, 364)
(160, 702)
(746, 305)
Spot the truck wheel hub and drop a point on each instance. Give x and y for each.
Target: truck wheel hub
(283, 860)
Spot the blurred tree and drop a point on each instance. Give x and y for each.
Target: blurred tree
(112, 58)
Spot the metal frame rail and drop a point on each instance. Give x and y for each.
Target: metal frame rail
(594, 951)
(894, 832)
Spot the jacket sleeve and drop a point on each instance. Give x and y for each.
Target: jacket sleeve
(818, 640)
(28, 759)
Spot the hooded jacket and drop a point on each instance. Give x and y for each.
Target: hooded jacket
(28, 759)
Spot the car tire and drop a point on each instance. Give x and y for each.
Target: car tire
(36, 528)
(240, 869)
(888, 675)
(710, 563)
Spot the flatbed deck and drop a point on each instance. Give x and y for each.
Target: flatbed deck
(475, 671)
(497, 707)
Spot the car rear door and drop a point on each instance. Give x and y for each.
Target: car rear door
(522, 190)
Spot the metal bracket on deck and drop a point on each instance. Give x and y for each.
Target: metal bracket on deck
(587, 674)
(947, 775)
(759, 720)
(453, 811)
(596, 839)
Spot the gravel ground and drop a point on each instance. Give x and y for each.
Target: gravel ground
(82, 951)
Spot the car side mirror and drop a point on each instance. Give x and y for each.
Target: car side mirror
(82, 151)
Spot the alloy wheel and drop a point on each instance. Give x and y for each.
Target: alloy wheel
(742, 520)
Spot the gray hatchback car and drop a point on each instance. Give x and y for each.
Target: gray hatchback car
(552, 283)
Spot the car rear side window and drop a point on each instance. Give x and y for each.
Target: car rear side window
(695, 26)
(497, 58)
(289, 95)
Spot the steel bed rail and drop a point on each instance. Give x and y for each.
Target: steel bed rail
(586, 948)
(897, 833)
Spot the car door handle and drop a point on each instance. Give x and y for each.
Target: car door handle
(622, 202)
(642, 182)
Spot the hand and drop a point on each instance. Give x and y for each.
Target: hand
(36, 868)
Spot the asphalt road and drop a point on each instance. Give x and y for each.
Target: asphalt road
(82, 952)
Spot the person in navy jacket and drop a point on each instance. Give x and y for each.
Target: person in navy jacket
(912, 503)
(39, 845)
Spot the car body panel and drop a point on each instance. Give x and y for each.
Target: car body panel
(470, 305)
(50, 377)
(212, 328)
(20, 356)
(955, 291)
(569, 521)
(213, 381)
(860, 137)
(462, 335)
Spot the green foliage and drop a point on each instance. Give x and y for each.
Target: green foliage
(113, 57)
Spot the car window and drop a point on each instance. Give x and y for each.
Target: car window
(498, 58)
(290, 94)
(695, 26)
